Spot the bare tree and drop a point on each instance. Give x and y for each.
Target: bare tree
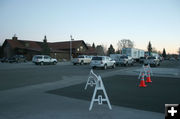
(179, 51)
(105, 49)
(119, 46)
(125, 43)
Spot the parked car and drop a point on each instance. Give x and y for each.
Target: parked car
(43, 59)
(172, 59)
(16, 58)
(12, 59)
(116, 57)
(153, 61)
(178, 58)
(102, 62)
(82, 59)
(4, 59)
(141, 60)
(126, 60)
(20, 58)
(160, 58)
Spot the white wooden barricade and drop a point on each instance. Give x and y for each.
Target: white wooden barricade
(145, 70)
(99, 87)
(92, 79)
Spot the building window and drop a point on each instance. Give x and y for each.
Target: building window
(27, 45)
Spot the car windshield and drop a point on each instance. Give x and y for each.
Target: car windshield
(97, 58)
(38, 57)
(80, 56)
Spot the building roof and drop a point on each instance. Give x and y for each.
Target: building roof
(14, 43)
(37, 46)
(66, 44)
(91, 50)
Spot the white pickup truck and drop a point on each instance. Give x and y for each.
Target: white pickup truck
(82, 59)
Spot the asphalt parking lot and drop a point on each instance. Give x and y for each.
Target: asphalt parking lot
(23, 74)
(56, 91)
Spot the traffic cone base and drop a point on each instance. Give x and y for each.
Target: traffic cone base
(142, 84)
(148, 80)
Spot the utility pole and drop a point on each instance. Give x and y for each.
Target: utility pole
(70, 55)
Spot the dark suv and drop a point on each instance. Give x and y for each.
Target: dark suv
(17, 59)
(20, 58)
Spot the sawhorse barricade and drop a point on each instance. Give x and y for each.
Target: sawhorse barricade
(92, 79)
(146, 70)
(99, 86)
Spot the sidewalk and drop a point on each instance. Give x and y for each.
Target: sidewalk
(33, 102)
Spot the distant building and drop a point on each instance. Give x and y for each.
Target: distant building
(59, 50)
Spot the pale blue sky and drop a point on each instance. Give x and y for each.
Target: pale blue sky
(99, 21)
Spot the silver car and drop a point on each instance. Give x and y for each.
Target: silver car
(43, 59)
(102, 62)
(126, 60)
(153, 61)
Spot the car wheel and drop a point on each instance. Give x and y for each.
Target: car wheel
(113, 66)
(42, 63)
(105, 67)
(54, 62)
(74, 63)
(82, 62)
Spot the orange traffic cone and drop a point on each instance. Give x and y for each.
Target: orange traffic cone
(148, 78)
(142, 82)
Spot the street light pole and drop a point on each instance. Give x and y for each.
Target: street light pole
(70, 55)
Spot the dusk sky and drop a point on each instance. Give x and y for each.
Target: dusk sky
(99, 21)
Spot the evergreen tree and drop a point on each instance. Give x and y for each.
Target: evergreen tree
(45, 48)
(164, 53)
(149, 48)
(111, 50)
(100, 50)
(93, 45)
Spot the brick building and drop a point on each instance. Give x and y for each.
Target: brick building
(59, 50)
